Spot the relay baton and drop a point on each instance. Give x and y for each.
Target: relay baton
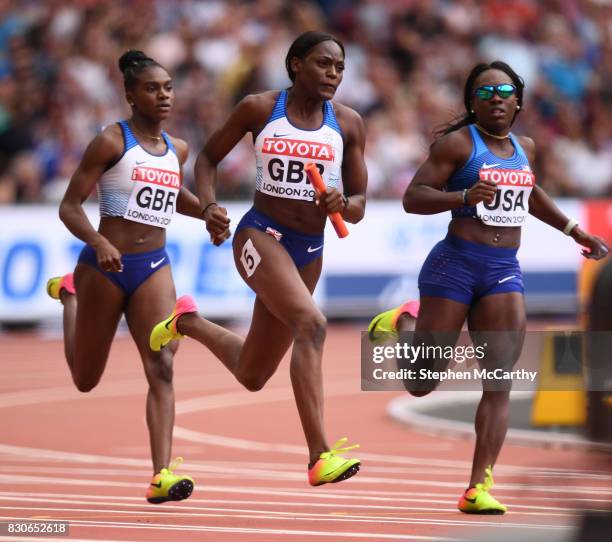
(316, 181)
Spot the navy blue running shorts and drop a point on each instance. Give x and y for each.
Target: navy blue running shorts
(302, 248)
(465, 271)
(136, 267)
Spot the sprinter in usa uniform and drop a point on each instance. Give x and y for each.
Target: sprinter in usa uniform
(123, 267)
(278, 244)
(482, 173)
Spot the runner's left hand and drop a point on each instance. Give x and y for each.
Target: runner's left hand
(596, 248)
(330, 202)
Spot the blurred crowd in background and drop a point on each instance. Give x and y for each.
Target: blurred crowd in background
(406, 63)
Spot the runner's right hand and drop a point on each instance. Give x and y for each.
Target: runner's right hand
(217, 224)
(109, 258)
(481, 191)
(219, 239)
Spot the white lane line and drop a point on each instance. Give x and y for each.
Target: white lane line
(285, 475)
(78, 471)
(225, 466)
(360, 494)
(417, 415)
(123, 388)
(576, 475)
(199, 466)
(239, 530)
(70, 482)
(276, 515)
(54, 539)
(72, 457)
(499, 487)
(450, 505)
(232, 399)
(241, 398)
(182, 433)
(118, 499)
(191, 505)
(266, 475)
(366, 495)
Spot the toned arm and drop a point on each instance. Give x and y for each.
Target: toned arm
(105, 148)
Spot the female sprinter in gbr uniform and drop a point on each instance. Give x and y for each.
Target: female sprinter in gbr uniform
(278, 244)
(124, 267)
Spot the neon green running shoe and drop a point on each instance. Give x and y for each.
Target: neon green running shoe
(166, 330)
(331, 467)
(384, 325)
(55, 285)
(478, 500)
(167, 486)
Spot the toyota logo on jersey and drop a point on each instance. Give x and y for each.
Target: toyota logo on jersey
(308, 150)
(508, 177)
(510, 206)
(160, 177)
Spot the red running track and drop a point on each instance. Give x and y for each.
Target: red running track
(85, 458)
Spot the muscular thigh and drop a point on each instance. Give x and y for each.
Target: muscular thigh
(439, 323)
(99, 308)
(441, 314)
(152, 301)
(498, 312)
(267, 268)
(278, 283)
(499, 321)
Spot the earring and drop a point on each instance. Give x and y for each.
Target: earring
(131, 104)
(472, 111)
(518, 107)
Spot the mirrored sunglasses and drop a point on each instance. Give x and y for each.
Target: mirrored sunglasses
(503, 91)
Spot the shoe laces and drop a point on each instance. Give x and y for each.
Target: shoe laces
(396, 315)
(338, 448)
(175, 464)
(391, 329)
(488, 481)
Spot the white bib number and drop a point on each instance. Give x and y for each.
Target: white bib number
(153, 197)
(287, 179)
(250, 258)
(510, 206)
(283, 162)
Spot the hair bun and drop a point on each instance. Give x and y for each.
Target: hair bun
(130, 58)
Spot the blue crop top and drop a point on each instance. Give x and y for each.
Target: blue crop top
(483, 158)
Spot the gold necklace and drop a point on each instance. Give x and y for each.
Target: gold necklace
(489, 134)
(154, 138)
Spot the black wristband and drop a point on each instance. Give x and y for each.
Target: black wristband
(211, 203)
(465, 197)
(345, 200)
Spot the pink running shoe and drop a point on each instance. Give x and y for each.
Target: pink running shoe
(166, 330)
(55, 285)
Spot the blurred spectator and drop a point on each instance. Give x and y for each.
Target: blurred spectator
(406, 61)
(585, 154)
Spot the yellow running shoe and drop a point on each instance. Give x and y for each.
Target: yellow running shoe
(384, 325)
(331, 467)
(167, 486)
(56, 284)
(166, 330)
(478, 500)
